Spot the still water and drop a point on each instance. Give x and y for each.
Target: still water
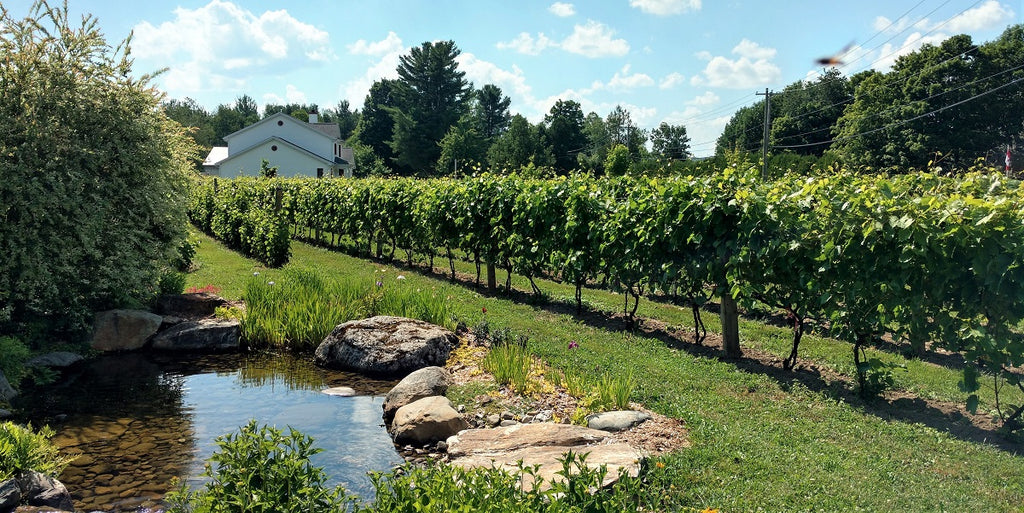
(142, 420)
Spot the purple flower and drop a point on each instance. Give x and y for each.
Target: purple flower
(573, 344)
(380, 283)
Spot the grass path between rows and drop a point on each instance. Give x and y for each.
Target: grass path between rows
(759, 442)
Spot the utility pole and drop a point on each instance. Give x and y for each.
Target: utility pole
(767, 127)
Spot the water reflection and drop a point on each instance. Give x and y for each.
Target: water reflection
(141, 420)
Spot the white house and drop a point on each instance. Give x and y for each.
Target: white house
(294, 147)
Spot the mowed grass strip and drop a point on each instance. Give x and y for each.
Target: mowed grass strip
(757, 442)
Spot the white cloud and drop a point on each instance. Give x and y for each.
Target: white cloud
(525, 43)
(481, 72)
(595, 40)
(592, 39)
(752, 68)
(708, 98)
(562, 9)
(889, 53)
(666, 7)
(220, 44)
(383, 66)
(291, 95)
(752, 50)
(989, 15)
(389, 44)
(623, 81)
(672, 80)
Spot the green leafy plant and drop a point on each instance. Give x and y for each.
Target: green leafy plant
(510, 365)
(13, 354)
(22, 448)
(614, 391)
(261, 469)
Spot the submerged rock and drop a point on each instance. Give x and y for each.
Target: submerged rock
(55, 360)
(385, 345)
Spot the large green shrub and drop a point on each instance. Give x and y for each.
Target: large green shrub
(93, 174)
(261, 469)
(22, 448)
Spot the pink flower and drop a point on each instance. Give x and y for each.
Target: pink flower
(573, 344)
(484, 309)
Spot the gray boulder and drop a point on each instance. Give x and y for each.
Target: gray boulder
(123, 330)
(385, 345)
(5, 414)
(42, 490)
(55, 360)
(616, 420)
(7, 392)
(426, 382)
(200, 304)
(200, 335)
(427, 420)
(10, 494)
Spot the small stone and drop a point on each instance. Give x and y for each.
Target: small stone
(461, 408)
(506, 423)
(493, 420)
(507, 415)
(543, 416)
(527, 419)
(442, 446)
(339, 391)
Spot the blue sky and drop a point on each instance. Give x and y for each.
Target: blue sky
(690, 62)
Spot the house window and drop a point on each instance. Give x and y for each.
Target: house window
(273, 148)
(319, 172)
(280, 123)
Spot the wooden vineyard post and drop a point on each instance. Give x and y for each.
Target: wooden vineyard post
(730, 326)
(492, 279)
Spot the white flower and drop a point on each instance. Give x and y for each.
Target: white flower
(270, 283)
(400, 277)
(257, 273)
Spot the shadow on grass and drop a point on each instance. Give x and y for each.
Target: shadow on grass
(942, 416)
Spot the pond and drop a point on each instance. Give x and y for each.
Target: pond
(141, 420)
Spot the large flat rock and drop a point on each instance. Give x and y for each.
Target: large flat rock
(520, 436)
(542, 444)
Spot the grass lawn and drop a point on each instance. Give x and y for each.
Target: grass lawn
(761, 439)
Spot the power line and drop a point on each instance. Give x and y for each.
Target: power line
(901, 122)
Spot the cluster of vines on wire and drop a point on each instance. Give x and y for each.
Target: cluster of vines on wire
(923, 257)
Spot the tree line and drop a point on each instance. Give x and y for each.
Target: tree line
(431, 121)
(944, 105)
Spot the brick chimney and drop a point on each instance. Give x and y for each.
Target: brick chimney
(313, 117)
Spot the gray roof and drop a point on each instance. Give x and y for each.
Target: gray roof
(331, 130)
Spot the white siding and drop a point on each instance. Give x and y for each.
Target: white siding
(290, 162)
(290, 129)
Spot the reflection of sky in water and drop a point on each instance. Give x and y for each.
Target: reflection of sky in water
(348, 429)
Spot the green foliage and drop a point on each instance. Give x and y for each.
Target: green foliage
(510, 365)
(94, 173)
(22, 448)
(171, 282)
(302, 307)
(266, 170)
(614, 390)
(432, 96)
(261, 469)
(243, 213)
(13, 355)
(618, 160)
